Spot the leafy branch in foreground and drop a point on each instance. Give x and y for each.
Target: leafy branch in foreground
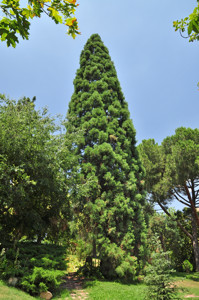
(16, 19)
(189, 24)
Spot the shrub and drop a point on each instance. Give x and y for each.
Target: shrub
(117, 264)
(9, 267)
(187, 266)
(37, 267)
(194, 276)
(42, 280)
(158, 278)
(90, 272)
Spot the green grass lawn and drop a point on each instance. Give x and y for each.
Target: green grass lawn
(187, 286)
(101, 290)
(190, 288)
(106, 290)
(11, 293)
(97, 291)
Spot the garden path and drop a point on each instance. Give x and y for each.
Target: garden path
(188, 284)
(75, 285)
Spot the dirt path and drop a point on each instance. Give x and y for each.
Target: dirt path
(191, 296)
(188, 284)
(75, 285)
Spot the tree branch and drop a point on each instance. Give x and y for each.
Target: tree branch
(192, 204)
(184, 37)
(185, 201)
(178, 223)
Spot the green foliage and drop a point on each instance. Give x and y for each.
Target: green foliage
(176, 177)
(90, 271)
(10, 267)
(185, 250)
(171, 237)
(182, 150)
(160, 283)
(83, 249)
(111, 212)
(193, 276)
(16, 19)
(11, 293)
(190, 25)
(154, 161)
(34, 161)
(187, 266)
(100, 290)
(37, 267)
(115, 263)
(42, 280)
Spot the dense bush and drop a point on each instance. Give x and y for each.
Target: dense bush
(90, 271)
(37, 267)
(42, 280)
(116, 264)
(193, 276)
(187, 266)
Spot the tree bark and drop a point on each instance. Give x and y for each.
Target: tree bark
(39, 239)
(195, 240)
(192, 202)
(94, 248)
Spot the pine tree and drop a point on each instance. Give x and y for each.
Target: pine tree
(158, 277)
(113, 209)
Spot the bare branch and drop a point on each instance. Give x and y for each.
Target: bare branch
(185, 200)
(185, 203)
(184, 37)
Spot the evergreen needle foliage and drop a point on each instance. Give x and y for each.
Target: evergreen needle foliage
(159, 280)
(111, 215)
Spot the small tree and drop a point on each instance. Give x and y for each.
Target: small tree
(158, 278)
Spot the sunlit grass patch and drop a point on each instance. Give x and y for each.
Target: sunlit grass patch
(11, 293)
(186, 286)
(101, 290)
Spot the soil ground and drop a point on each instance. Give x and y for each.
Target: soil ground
(75, 285)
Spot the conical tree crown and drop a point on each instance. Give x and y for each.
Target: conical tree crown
(114, 205)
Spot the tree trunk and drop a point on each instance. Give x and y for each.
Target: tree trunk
(162, 242)
(195, 240)
(94, 248)
(39, 239)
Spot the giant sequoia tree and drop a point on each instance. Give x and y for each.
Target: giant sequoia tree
(112, 213)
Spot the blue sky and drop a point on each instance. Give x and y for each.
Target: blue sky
(157, 69)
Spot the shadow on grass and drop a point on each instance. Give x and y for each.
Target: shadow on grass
(89, 283)
(179, 274)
